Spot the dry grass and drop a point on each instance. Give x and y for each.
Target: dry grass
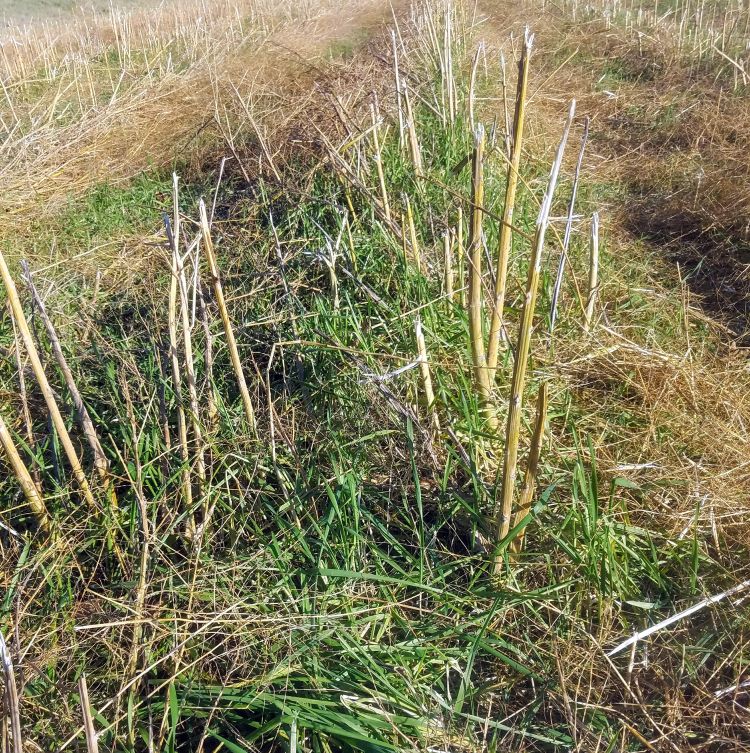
(669, 126)
(87, 103)
(680, 404)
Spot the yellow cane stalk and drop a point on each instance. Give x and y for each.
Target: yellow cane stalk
(479, 360)
(506, 231)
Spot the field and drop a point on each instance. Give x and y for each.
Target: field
(374, 377)
(44, 10)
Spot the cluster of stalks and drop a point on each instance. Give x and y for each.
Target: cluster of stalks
(459, 262)
(185, 286)
(98, 491)
(184, 291)
(101, 497)
(485, 360)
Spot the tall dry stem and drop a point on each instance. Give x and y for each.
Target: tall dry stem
(507, 140)
(481, 375)
(414, 148)
(208, 358)
(187, 342)
(593, 271)
(101, 464)
(225, 320)
(513, 430)
(22, 394)
(568, 228)
(506, 227)
(174, 360)
(44, 385)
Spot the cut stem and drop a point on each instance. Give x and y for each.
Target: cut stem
(448, 267)
(481, 375)
(593, 271)
(92, 744)
(225, 320)
(506, 226)
(424, 366)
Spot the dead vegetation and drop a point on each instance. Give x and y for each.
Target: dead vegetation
(140, 89)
